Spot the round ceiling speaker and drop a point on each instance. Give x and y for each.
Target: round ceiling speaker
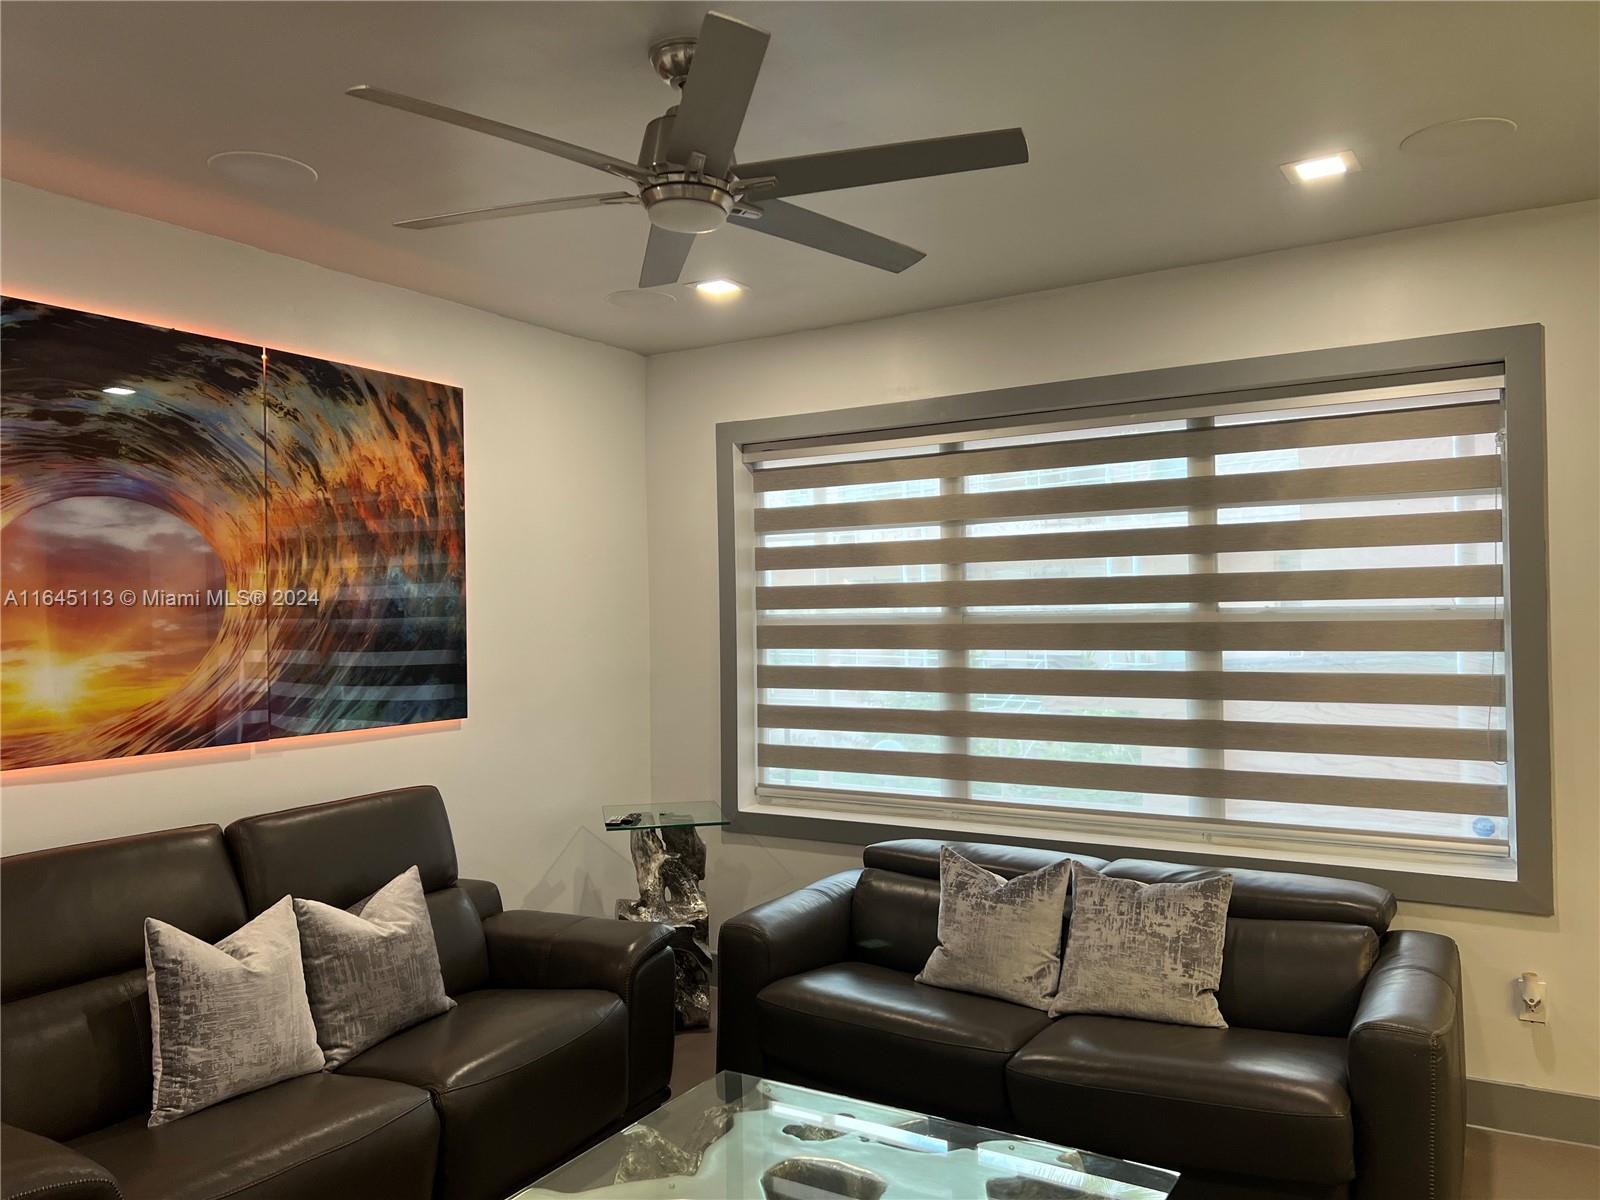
(1465, 135)
(258, 169)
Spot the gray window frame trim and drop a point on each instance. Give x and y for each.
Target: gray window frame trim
(1516, 351)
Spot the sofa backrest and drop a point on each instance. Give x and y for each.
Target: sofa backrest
(894, 916)
(75, 1027)
(1298, 951)
(345, 850)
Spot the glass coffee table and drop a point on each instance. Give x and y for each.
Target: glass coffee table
(736, 1137)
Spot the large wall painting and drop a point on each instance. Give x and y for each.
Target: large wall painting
(208, 543)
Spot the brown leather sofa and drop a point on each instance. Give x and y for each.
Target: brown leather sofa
(1340, 1074)
(562, 1030)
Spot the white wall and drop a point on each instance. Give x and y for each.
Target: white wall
(568, 685)
(556, 561)
(1540, 266)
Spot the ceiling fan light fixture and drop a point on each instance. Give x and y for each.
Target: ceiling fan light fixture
(687, 206)
(686, 216)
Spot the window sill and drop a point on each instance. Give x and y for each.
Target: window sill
(1450, 877)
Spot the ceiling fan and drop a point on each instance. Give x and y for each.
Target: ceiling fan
(688, 180)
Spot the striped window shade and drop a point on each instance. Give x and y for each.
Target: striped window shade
(1281, 620)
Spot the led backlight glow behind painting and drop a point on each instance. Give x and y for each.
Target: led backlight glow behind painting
(207, 543)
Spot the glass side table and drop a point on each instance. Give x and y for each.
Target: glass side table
(669, 858)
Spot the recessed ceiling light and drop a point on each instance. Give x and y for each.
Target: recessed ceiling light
(718, 289)
(117, 391)
(259, 169)
(1326, 166)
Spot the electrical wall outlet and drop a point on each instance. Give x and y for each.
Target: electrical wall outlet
(1532, 998)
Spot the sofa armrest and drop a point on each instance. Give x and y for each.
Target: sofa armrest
(799, 932)
(631, 959)
(31, 1165)
(1407, 1071)
(530, 949)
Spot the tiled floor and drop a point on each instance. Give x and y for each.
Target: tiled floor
(1500, 1166)
(694, 1059)
(1503, 1166)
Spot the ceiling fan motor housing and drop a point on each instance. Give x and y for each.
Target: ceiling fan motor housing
(678, 200)
(653, 150)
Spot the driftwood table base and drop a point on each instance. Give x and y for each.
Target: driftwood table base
(670, 863)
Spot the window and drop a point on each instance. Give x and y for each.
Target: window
(1249, 624)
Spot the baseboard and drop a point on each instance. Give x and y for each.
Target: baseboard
(1534, 1112)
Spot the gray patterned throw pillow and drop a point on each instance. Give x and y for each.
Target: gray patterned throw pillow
(371, 970)
(229, 1018)
(998, 937)
(1152, 951)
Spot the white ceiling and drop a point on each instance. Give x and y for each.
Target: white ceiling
(1156, 133)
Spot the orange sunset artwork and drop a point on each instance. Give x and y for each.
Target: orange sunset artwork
(205, 543)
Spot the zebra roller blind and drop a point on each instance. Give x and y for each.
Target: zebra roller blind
(1284, 620)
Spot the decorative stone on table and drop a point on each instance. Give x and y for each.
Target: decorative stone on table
(652, 1155)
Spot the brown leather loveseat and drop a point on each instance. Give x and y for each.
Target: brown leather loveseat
(562, 1030)
(1340, 1075)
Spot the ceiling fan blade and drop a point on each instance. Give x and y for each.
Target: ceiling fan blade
(560, 204)
(664, 256)
(885, 164)
(727, 58)
(795, 224)
(499, 129)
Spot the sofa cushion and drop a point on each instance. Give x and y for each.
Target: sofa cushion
(1176, 1096)
(999, 937)
(894, 920)
(77, 1058)
(75, 913)
(519, 1079)
(344, 850)
(1148, 950)
(227, 1018)
(1265, 895)
(458, 937)
(920, 857)
(318, 1135)
(1295, 976)
(75, 1034)
(370, 970)
(894, 911)
(877, 1033)
(1277, 895)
